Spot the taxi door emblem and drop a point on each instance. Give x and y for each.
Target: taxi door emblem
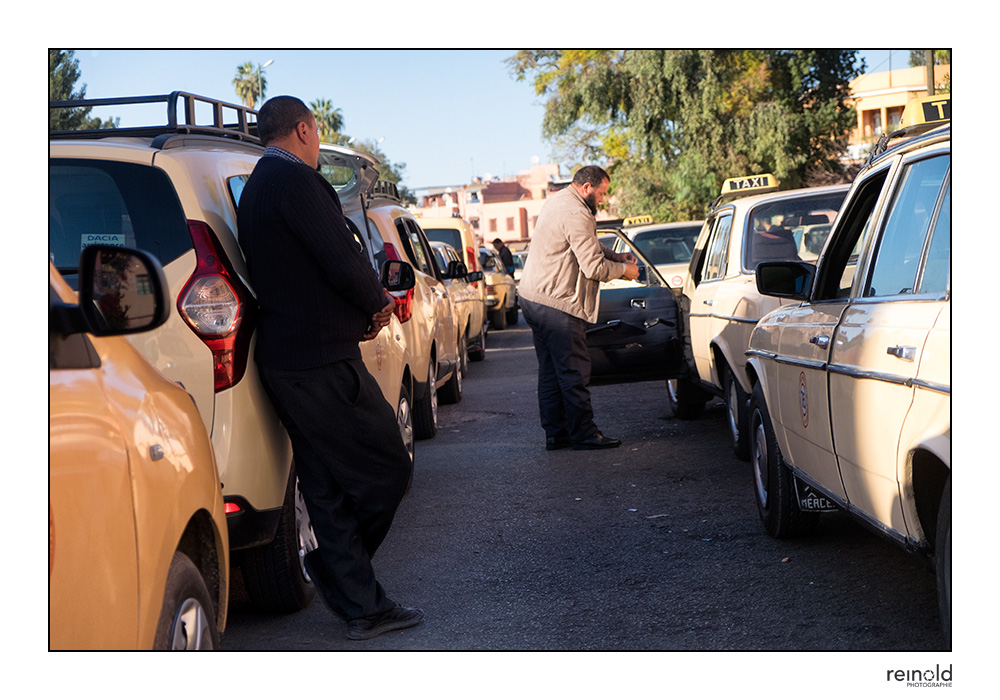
(803, 400)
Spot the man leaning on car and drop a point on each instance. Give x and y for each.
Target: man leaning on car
(319, 297)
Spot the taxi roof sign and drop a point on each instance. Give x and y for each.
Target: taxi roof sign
(751, 184)
(926, 110)
(636, 220)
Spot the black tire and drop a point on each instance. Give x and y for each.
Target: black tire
(451, 392)
(512, 315)
(774, 488)
(404, 419)
(686, 400)
(498, 317)
(274, 573)
(478, 353)
(737, 414)
(942, 561)
(187, 619)
(425, 410)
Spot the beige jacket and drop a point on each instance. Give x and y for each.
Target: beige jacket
(566, 263)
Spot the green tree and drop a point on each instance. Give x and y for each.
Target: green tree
(329, 121)
(918, 57)
(64, 72)
(250, 84)
(671, 125)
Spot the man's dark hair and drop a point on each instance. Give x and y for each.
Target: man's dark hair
(593, 174)
(497, 242)
(279, 116)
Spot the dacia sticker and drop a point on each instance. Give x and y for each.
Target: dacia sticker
(115, 239)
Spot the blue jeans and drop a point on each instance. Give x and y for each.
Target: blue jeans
(563, 372)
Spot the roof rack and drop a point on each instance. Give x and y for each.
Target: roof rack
(385, 188)
(242, 128)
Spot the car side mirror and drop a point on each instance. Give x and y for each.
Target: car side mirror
(787, 280)
(121, 291)
(456, 270)
(398, 276)
(474, 276)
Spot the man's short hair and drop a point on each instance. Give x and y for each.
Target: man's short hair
(279, 116)
(592, 174)
(497, 242)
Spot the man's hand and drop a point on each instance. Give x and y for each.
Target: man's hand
(380, 319)
(626, 258)
(631, 270)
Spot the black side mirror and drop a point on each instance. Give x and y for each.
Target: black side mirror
(121, 291)
(787, 280)
(398, 276)
(474, 276)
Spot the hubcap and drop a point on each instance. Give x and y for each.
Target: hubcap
(432, 387)
(758, 456)
(303, 530)
(405, 420)
(672, 390)
(733, 409)
(190, 631)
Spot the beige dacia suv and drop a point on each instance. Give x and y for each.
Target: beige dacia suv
(173, 189)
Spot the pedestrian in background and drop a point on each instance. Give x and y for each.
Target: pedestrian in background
(506, 257)
(319, 297)
(558, 293)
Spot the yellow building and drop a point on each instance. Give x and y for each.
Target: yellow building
(879, 99)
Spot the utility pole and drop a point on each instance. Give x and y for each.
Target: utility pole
(929, 58)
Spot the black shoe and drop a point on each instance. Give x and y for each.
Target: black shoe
(398, 618)
(596, 442)
(557, 443)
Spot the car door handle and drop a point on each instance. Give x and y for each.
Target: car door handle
(638, 303)
(708, 302)
(822, 341)
(903, 352)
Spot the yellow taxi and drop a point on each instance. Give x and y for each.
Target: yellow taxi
(138, 543)
(466, 302)
(751, 221)
(501, 290)
(851, 381)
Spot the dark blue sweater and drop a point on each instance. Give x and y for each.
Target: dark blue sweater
(315, 286)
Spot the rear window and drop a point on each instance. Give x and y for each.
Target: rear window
(451, 236)
(123, 204)
(791, 229)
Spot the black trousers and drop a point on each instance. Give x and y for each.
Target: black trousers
(353, 469)
(563, 372)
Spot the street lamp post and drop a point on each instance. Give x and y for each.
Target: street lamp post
(260, 82)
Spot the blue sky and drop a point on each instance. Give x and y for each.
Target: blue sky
(448, 115)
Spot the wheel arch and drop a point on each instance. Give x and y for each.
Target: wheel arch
(201, 542)
(928, 475)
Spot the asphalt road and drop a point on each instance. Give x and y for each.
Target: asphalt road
(652, 546)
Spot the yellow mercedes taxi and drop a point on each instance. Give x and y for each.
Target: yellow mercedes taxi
(851, 381)
(138, 543)
(750, 222)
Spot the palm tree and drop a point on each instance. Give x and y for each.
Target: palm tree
(250, 83)
(329, 120)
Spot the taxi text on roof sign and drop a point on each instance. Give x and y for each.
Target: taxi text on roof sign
(925, 110)
(752, 183)
(634, 220)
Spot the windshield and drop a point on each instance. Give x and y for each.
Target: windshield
(667, 246)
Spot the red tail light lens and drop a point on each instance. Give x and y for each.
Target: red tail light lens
(218, 306)
(473, 265)
(404, 300)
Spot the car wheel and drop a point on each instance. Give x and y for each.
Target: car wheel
(451, 392)
(187, 621)
(942, 561)
(499, 318)
(404, 418)
(686, 400)
(774, 488)
(512, 315)
(737, 411)
(479, 352)
(274, 574)
(425, 410)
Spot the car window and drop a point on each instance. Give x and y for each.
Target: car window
(236, 185)
(378, 244)
(937, 268)
(718, 247)
(837, 273)
(900, 248)
(451, 236)
(791, 229)
(666, 246)
(125, 204)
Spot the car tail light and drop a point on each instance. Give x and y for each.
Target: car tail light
(218, 306)
(232, 507)
(490, 289)
(404, 300)
(473, 265)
